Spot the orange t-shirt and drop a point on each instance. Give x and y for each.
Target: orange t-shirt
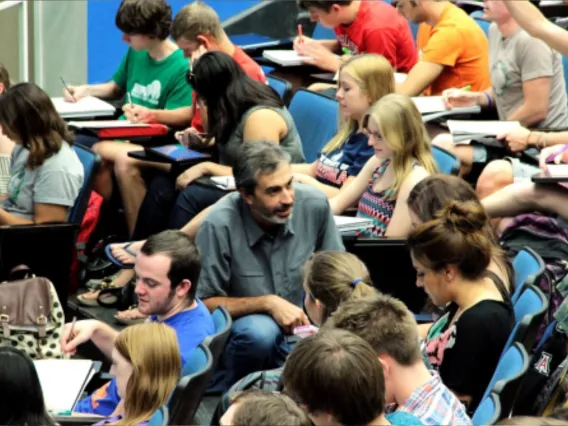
(460, 45)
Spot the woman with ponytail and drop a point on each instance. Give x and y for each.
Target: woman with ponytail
(451, 254)
(330, 278)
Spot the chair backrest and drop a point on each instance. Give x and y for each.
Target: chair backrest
(484, 25)
(488, 411)
(508, 376)
(316, 118)
(282, 87)
(189, 391)
(529, 269)
(323, 33)
(91, 162)
(531, 307)
(216, 342)
(447, 162)
(160, 417)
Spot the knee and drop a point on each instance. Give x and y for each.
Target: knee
(445, 141)
(260, 333)
(495, 175)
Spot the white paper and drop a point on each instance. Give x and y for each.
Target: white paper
(225, 182)
(63, 381)
(84, 107)
(286, 58)
(429, 104)
(487, 128)
(352, 223)
(109, 124)
(400, 77)
(557, 170)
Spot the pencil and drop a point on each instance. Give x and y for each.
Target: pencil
(72, 328)
(466, 88)
(67, 88)
(300, 36)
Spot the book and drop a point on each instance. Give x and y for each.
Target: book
(178, 153)
(63, 381)
(116, 129)
(285, 58)
(464, 131)
(85, 107)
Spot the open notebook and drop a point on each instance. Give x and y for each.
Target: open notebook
(83, 108)
(464, 131)
(63, 381)
(285, 58)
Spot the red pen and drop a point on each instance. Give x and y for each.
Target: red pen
(300, 33)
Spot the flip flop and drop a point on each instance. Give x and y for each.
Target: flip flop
(104, 284)
(130, 321)
(117, 262)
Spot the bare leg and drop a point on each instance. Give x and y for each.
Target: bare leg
(496, 175)
(320, 87)
(463, 152)
(128, 172)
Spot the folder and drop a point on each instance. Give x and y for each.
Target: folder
(177, 153)
(120, 129)
(63, 381)
(84, 108)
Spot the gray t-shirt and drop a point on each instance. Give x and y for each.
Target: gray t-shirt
(240, 259)
(57, 181)
(519, 58)
(291, 143)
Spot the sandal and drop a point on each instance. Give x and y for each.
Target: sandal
(117, 262)
(95, 299)
(132, 317)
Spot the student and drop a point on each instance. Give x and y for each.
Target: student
(167, 270)
(196, 29)
(6, 145)
(390, 328)
(22, 400)
(363, 80)
(429, 197)
(360, 27)
(258, 408)
(451, 255)
(146, 363)
(45, 173)
(452, 49)
(338, 379)
(330, 279)
(152, 73)
(527, 85)
(402, 159)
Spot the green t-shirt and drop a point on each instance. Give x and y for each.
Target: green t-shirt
(154, 84)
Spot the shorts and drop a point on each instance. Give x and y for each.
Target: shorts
(522, 171)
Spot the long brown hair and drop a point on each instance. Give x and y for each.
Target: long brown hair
(153, 351)
(28, 117)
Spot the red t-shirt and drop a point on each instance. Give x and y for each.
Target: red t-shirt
(379, 28)
(250, 67)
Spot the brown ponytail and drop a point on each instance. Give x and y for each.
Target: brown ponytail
(456, 236)
(335, 276)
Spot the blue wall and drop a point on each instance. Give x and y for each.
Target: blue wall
(105, 46)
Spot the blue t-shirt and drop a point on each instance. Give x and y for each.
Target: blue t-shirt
(333, 168)
(401, 418)
(192, 327)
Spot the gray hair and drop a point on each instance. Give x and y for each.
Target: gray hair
(257, 158)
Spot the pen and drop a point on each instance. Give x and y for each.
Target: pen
(131, 104)
(553, 156)
(67, 88)
(466, 88)
(72, 329)
(300, 36)
(346, 51)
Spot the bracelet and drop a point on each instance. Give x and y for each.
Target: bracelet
(489, 103)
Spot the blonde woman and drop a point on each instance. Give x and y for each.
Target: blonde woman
(402, 159)
(146, 362)
(363, 80)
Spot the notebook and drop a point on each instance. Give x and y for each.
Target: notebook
(464, 131)
(348, 224)
(553, 174)
(84, 107)
(285, 58)
(177, 153)
(120, 129)
(63, 381)
(432, 107)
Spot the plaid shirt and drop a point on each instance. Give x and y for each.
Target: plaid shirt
(434, 404)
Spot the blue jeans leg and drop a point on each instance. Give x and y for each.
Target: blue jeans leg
(256, 343)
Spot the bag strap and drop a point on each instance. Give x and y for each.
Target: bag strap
(20, 272)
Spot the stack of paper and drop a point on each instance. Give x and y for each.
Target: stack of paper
(347, 224)
(85, 107)
(464, 131)
(63, 381)
(285, 58)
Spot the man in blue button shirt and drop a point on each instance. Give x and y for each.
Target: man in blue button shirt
(167, 271)
(254, 244)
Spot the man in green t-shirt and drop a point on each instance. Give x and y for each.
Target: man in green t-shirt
(152, 74)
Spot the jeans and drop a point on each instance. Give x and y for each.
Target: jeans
(166, 208)
(255, 343)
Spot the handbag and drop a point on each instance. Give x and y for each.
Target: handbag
(31, 316)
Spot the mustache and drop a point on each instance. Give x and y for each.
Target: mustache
(283, 207)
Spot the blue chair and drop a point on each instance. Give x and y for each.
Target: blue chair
(316, 118)
(488, 411)
(478, 18)
(282, 87)
(529, 269)
(323, 33)
(189, 392)
(530, 309)
(447, 162)
(565, 64)
(216, 342)
(508, 375)
(160, 417)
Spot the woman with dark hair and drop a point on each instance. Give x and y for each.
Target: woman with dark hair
(22, 398)
(236, 109)
(46, 174)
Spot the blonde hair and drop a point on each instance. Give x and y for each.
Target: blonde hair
(375, 77)
(196, 19)
(333, 277)
(403, 131)
(153, 351)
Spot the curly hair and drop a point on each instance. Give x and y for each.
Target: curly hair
(152, 18)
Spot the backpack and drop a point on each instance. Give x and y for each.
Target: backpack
(88, 225)
(31, 316)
